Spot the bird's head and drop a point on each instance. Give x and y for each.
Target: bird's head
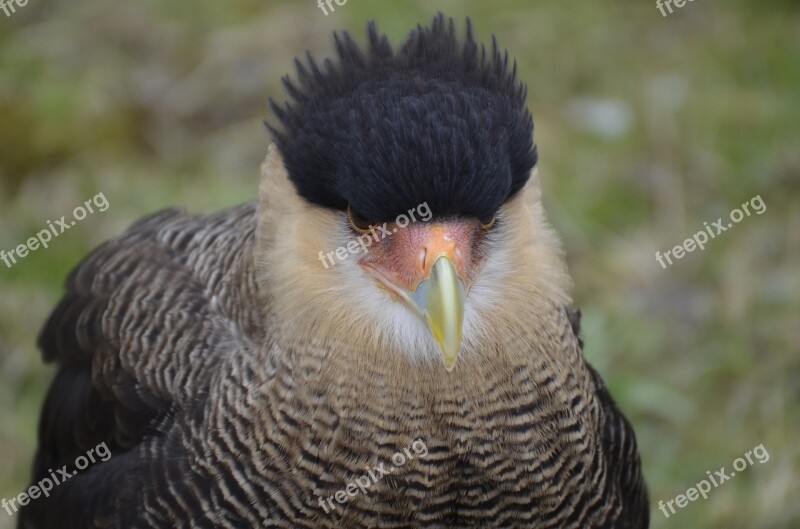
(400, 208)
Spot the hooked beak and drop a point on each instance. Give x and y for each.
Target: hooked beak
(428, 267)
(439, 301)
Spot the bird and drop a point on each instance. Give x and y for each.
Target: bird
(395, 289)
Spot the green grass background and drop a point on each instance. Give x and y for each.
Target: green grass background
(647, 126)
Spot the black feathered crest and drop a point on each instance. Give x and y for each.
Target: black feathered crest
(440, 121)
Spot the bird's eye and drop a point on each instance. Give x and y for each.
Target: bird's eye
(356, 222)
(487, 225)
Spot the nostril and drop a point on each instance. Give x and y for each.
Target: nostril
(423, 254)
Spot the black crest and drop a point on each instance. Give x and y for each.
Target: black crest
(440, 121)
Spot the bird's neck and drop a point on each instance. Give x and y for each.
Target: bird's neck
(540, 368)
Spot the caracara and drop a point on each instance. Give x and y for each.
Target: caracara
(395, 290)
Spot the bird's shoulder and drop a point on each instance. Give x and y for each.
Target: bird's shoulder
(145, 320)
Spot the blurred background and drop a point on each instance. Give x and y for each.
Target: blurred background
(647, 126)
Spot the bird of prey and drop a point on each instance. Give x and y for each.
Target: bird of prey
(246, 368)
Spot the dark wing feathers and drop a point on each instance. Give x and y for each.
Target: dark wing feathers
(623, 462)
(620, 449)
(126, 356)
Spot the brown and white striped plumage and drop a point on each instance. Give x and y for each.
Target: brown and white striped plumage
(236, 383)
(240, 383)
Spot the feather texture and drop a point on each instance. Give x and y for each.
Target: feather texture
(239, 384)
(217, 420)
(441, 120)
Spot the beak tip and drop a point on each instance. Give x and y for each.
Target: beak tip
(449, 354)
(449, 365)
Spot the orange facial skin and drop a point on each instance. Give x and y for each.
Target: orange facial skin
(404, 257)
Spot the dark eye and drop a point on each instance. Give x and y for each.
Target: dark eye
(487, 224)
(356, 222)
